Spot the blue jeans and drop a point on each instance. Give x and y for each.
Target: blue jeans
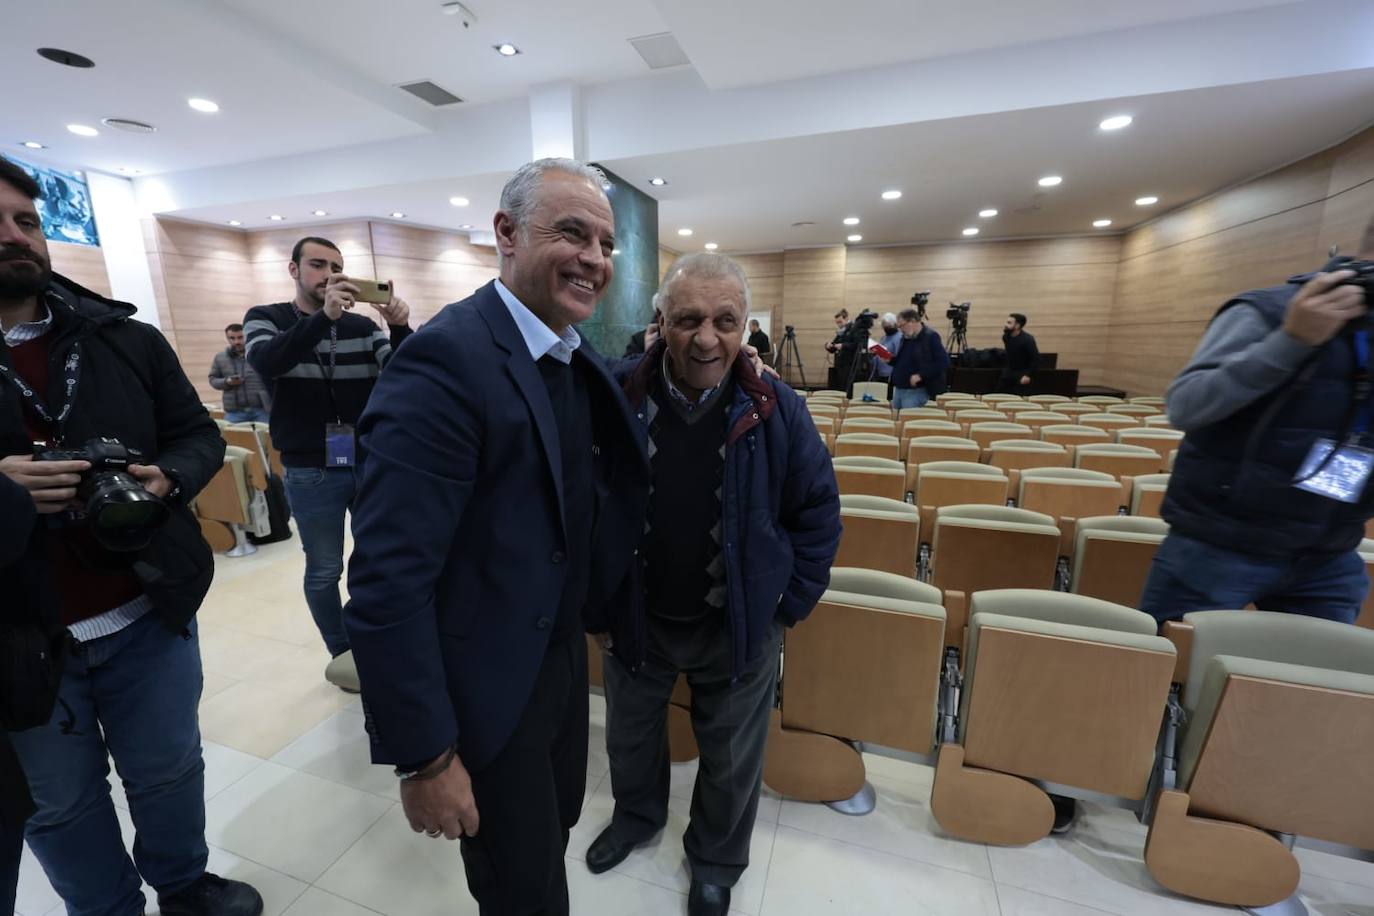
(903, 398)
(251, 415)
(132, 696)
(1190, 575)
(319, 500)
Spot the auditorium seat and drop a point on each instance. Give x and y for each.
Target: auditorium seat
(1019, 454)
(223, 507)
(978, 547)
(985, 433)
(258, 440)
(955, 483)
(857, 410)
(821, 409)
(1101, 400)
(865, 667)
(1156, 421)
(1112, 556)
(1068, 494)
(1071, 434)
(1150, 401)
(921, 413)
(1117, 460)
(1014, 408)
(1132, 410)
(977, 415)
(1057, 688)
(1147, 494)
(924, 449)
(853, 424)
(1111, 422)
(874, 445)
(864, 476)
(1049, 399)
(913, 428)
(879, 533)
(1162, 441)
(953, 407)
(1169, 465)
(1277, 736)
(876, 391)
(954, 396)
(1076, 410)
(997, 398)
(1039, 419)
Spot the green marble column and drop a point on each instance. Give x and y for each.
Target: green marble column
(627, 305)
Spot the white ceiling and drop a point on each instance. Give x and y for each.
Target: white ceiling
(734, 43)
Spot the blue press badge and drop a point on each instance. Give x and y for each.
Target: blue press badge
(1343, 477)
(339, 445)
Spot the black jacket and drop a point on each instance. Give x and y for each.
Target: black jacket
(131, 387)
(1023, 356)
(922, 355)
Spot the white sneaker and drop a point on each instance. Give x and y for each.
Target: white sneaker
(342, 673)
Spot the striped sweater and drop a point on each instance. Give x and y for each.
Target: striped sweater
(292, 354)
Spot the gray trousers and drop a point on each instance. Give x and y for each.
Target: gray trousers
(731, 726)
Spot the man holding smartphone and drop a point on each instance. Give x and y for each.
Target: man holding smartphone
(245, 396)
(322, 360)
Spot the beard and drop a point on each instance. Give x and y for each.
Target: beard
(22, 280)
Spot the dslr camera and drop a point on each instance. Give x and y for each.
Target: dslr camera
(121, 514)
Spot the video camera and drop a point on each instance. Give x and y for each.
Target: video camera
(957, 313)
(864, 321)
(122, 515)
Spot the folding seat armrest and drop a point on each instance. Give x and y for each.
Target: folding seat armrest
(1181, 635)
(956, 618)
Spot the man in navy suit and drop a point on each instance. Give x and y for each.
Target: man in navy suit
(486, 523)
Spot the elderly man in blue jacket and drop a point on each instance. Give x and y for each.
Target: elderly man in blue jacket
(743, 525)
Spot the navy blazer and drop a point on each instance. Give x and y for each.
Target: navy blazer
(458, 564)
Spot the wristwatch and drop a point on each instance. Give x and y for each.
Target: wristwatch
(428, 769)
(174, 494)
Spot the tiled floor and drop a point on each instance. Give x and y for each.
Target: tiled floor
(295, 807)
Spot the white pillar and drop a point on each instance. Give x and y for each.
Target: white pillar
(121, 242)
(556, 127)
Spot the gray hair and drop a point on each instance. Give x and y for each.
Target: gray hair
(706, 265)
(521, 192)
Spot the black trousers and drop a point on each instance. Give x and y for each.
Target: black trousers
(529, 797)
(731, 726)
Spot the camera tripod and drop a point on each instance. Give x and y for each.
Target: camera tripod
(958, 338)
(790, 352)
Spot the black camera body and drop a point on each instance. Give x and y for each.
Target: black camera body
(1364, 277)
(121, 514)
(958, 312)
(920, 298)
(864, 320)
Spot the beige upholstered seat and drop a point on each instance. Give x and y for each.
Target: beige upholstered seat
(1014, 408)
(1117, 459)
(1039, 419)
(956, 483)
(223, 507)
(871, 444)
(1049, 399)
(1056, 687)
(977, 547)
(879, 533)
(864, 667)
(1073, 434)
(978, 415)
(1278, 738)
(985, 433)
(1075, 409)
(923, 449)
(1163, 441)
(1158, 420)
(1112, 556)
(1068, 494)
(1019, 454)
(921, 413)
(870, 476)
(1132, 410)
(1110, 422)
(875, 390)
(822, 409)
(876, 411)
(861, 424)
(996, 398)
(955, 396)
(1149, 400)
(1100, 400)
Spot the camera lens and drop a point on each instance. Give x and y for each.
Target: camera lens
(123, 516)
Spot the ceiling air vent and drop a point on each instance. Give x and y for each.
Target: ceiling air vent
(433, 93)
(129, 125)
(660, 51)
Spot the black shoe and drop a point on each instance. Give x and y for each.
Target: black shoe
(708, 899)
(606, 852)
(212, 895)
(1065, 813)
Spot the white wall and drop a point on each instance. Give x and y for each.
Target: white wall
(121, 241)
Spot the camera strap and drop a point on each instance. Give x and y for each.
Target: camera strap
(71, 375)
(333, 358)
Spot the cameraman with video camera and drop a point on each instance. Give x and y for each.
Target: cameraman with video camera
(100, 426)
(1270, 489)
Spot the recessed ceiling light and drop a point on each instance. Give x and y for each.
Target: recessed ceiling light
(1101, 223)
(711, 246)
(506, 49)
(459, 201)
(465, 226)
(1116, 122)
(854, 238)
(81, 130)
(234, 222)
(33, 144)
(684, 232)
(397, 214)
(658, 182)
(204, 105)
(276, 217)
(1146, 201)
(892, 195)
(851, 221)
(1050, 181)
(989, 213)
(971, 230)
(321, 212)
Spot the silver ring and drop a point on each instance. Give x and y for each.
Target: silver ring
(433, 833)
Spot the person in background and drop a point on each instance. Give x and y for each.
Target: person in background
(322, 360)
(76, 366)
(759, 341)
(739, 475)
(246, 399)
(891, 341)
(1023, 357)
(921, 363)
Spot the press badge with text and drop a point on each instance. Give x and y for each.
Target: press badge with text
(339, 446)
(1340, 476)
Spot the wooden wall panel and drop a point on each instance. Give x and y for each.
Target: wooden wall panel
(269, 250)
(427, 286)
(83, 264)
(666, 258)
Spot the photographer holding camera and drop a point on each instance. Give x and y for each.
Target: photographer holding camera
(1270, 489)
(100, 426)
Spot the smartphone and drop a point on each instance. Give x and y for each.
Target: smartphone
(372, 291)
